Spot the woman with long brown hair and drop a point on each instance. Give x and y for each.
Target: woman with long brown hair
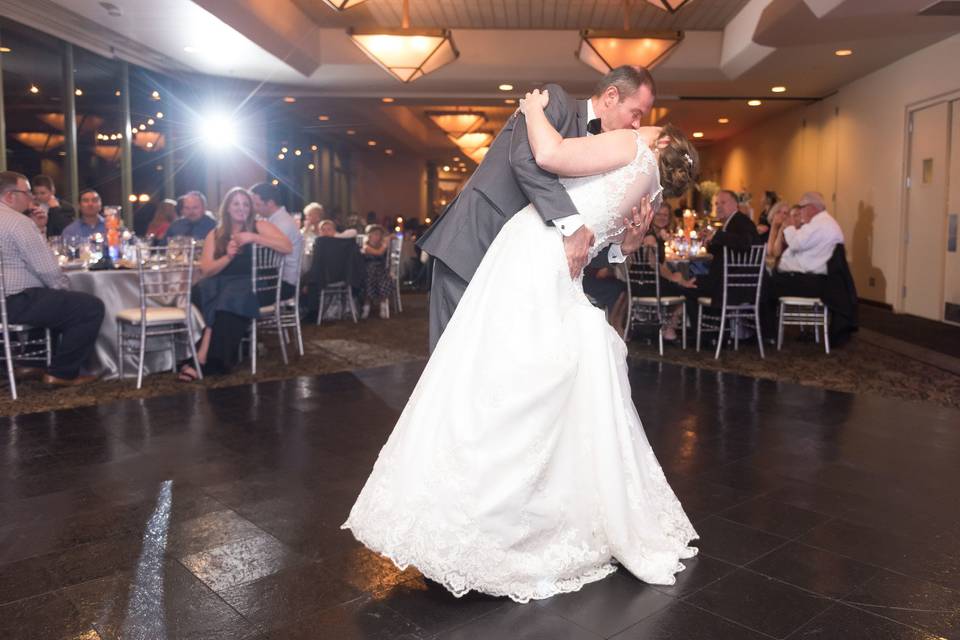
(225, 294)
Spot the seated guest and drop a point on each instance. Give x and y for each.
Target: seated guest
(607, 292)
(312, 217)
(378, 286)
(663, 224)
(59, 214)
(808, 240)
(738, 233)
(672, 283)
(90, 221)
(193, 221)
(38, 292)
(266, 202)
(777, 215)
(40, 218)
(327, 229)
(770, 199)
(162, 219)
(225, 295)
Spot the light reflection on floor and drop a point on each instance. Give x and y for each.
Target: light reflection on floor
(145, 617)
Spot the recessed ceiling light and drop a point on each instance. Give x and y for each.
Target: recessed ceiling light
(78, 92)
(117, 93)
(446, 167)
(698, 134)
(4, 49)
(311, 166)
(350, 132)
(510, 101)
(387, 100)
(371, 143)
(297, 152)
(142, 127)
(323, 118)
(389, 152)
(456, 158)
(843, 52)
(283, 149)
(281, 156)
(778, 89)
(754, 103)
(151, 121)
(506, 87)
(313, 147)
(289, 99)
(723, 120)
(274, 182)
(34, 89)
(159, 114)
(155, 95)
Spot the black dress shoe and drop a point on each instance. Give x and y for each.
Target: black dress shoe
(28, 373)
(54, 381)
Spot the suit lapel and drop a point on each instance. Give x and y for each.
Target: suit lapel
(581, 118)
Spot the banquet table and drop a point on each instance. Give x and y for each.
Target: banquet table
(682, 264)
(118, 289)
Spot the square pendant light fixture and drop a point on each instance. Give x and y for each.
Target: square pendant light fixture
(343, 5)
(471, 142)
(406, 54)
(457, 123)
(606, 50)
(666, 5)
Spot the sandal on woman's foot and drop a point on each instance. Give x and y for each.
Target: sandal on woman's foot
(186, 373)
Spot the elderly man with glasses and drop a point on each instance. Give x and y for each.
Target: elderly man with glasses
(37, 291)
(808, 235)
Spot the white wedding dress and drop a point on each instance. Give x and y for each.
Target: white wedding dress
(519, 466)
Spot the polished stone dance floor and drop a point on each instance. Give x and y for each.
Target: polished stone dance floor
(215, 515)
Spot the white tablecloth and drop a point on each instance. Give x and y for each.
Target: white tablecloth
(119, 290)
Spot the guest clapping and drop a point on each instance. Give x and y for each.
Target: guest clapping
(225, 296)
(379, 286)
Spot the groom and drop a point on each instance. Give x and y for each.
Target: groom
(508, 179)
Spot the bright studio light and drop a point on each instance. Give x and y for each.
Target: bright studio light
(217, 130)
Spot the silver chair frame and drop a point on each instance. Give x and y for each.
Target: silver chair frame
(289, 315)
(343, 290)
(741, 270)
(266, 274)
(648, 310)
(163, 276)
(814, 314)
(393, 268)
(23, 341)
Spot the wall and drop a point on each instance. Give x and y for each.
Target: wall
(390, 185)
(852, 148)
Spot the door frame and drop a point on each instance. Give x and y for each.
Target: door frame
(947, 97)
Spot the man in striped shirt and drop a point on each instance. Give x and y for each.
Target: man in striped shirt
(37, 290)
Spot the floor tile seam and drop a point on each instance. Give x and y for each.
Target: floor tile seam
(886, 568)
(819, 596)
(872, 610)
(597, 633)
(216, 595)
(785, 539)
(898, 623)
(459, 625)
(268, 628)
(729, 620)
(60, 549)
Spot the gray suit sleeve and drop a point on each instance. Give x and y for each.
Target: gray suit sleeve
(543, 188)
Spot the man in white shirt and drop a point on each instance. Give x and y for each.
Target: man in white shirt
(809, 240)
(266, 202)
(38, 293)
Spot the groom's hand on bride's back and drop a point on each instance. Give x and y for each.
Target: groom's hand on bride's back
(577, 247)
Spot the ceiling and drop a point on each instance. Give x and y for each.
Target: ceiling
(732, 50)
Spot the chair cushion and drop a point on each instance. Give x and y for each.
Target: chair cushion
(705, 301)
(801, 302)
(155, 315)
(19, 327)
(648, 301)
(672, 299)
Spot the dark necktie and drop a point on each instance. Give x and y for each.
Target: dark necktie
(593, 127)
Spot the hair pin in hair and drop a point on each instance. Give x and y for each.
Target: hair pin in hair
(688, 159)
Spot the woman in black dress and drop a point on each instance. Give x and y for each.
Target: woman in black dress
(225, 295)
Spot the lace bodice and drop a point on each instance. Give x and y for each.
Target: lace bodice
(603, 200)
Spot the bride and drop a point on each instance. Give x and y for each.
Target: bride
(519, 466)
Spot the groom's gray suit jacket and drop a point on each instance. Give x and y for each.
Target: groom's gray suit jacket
(506, 181)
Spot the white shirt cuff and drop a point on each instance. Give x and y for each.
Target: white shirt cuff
(568, 225)
(615, 254)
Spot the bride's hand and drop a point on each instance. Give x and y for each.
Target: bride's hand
(535, 99)
(636, 226)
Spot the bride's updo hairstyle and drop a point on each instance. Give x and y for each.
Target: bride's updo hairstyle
(679, 162)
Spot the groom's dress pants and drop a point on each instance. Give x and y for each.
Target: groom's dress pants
(445, 294)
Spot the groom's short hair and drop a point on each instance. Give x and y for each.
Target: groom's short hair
(627, 79)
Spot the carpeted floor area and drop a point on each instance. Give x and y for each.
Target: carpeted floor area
(863, 366)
